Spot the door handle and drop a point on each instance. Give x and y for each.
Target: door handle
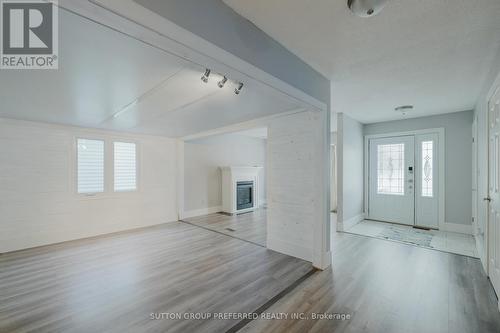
(487, 199)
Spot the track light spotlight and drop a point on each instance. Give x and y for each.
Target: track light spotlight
(222, 82)
(205, 76)
(238, 89)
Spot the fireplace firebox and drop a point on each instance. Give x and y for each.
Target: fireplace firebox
(240, 185)
(244, 195)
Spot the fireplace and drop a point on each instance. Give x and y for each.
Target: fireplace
(244, 195)
(240, 188)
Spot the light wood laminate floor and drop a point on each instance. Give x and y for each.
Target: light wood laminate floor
(390, 287)
(113, 283)
(250, 226)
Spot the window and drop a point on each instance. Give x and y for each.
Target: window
(390, 169)
(125, 166)
(90, 157)
(427, 168)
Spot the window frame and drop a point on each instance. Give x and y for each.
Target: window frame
(112, 157)
(90, 138)
(422, 169)
(108, 166)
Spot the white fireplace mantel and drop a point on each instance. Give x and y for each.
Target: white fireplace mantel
(231, 175)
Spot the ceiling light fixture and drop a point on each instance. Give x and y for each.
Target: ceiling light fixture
(403, 109)
(222, 82)
(205, 76)
(238, 89)
(366, 8)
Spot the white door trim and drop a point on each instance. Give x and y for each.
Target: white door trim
(494, 277)
(485, 107)
(440, 131)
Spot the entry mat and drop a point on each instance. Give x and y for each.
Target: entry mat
(412, 236)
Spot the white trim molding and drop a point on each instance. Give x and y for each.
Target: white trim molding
(455, 227)
(351, 222)
(201, 212)
(326, 261)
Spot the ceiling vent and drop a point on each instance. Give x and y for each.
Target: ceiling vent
(366, 8)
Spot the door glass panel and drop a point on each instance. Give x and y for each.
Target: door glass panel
(427, 168)
(390, 169)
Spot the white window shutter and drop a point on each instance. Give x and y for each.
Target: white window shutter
(125, 166)
(90, 156)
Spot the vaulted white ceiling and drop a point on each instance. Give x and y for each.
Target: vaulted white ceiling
(434, 54)
(111, 81)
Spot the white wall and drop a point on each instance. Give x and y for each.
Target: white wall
(202, 176)
(298, 165)
(350, 176)
(38, 200)
(458, 157)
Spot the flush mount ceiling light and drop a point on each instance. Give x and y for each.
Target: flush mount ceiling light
(404, 109)
(238, 89)
(222, 82)
(366, 8)
(205, 76)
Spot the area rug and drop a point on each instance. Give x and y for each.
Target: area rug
(412, 236)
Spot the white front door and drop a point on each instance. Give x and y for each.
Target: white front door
(494, 192)
(391, 180)
(403, 180)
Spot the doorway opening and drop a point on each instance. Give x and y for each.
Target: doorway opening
(403, 179)
(404, 192)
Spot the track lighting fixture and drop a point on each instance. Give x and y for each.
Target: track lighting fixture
(222, 82)
(238, 89)
(205, 76)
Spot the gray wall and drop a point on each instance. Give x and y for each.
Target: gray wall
(350, 168)
(217, 23)
(458, 157)
(202, 159)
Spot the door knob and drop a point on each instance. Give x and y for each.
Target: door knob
(487, 199)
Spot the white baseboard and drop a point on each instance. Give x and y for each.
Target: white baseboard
(349, 223)
(290, 249)
(200, 212)
(455, 227)
(327, 261)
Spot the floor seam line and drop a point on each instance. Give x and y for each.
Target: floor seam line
(242, 323)
(221, 233)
